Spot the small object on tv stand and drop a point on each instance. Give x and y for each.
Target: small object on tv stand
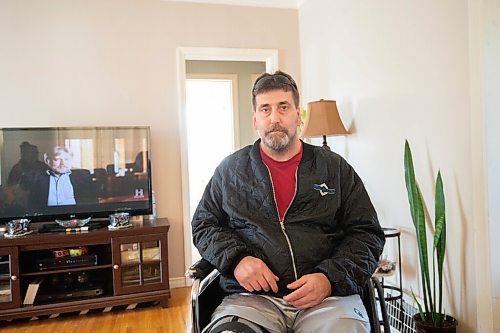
(153, 204)
(65, 262)
(17, 228)
(123, 226)
(73, 223)
(119, 221)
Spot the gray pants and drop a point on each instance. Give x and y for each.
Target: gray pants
(334, 314)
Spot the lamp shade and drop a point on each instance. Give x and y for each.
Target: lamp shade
(323, 120)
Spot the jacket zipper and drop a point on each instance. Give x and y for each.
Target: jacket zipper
(282, 221)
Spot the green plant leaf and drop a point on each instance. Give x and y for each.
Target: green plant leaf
(421, 312)
(417, 213)
(440, 237)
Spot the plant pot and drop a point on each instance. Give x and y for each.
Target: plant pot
(449, 325)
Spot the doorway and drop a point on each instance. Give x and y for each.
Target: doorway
(211, 105)
(190, 197)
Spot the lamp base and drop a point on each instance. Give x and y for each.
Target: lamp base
(325, 145)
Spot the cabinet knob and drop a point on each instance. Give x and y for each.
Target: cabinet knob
(116, 266)
(13, 277)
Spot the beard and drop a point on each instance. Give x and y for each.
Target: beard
(277, 138)
(60, 170)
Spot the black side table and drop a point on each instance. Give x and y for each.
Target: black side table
(394, 292)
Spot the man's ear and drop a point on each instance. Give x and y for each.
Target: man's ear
(254, 119)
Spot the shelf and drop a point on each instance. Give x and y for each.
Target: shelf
(76, 269)
(396, 296)
(135, 282)
(391, 232)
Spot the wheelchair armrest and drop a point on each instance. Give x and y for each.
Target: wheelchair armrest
(199, 269)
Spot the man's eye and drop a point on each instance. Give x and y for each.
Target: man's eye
(264, 110)
(284, 107)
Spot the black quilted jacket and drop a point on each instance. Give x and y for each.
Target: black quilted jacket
(330, 226)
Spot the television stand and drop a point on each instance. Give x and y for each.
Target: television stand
(119, 267)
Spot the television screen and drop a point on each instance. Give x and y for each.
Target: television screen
(50, 173)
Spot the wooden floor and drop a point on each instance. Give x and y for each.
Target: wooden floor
(173, 319)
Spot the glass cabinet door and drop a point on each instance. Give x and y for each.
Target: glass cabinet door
(151, 267)
(9, 282)
(130, 264)
(140, 263)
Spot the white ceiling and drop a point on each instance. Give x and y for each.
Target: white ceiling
(255, 3)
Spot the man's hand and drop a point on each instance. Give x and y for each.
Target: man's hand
(310, 290)
(254, 275)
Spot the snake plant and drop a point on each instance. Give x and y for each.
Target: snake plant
(432, 312)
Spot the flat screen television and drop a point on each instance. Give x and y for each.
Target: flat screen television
(74, 172)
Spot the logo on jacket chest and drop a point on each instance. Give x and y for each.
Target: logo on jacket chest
(323, 189)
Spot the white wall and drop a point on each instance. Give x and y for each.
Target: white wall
(94, 62)
(492, 104)
(400, 70)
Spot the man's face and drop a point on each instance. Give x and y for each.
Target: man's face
(61, 163)
(276, 119)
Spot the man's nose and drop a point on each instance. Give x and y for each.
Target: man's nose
(275, 116)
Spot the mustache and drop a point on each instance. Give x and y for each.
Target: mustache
(276, 128)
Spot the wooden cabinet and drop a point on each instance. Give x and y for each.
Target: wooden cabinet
(108, 268)
(9, 281)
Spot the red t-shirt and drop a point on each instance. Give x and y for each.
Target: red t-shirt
(283, 178)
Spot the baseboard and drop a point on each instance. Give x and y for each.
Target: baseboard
(177, 282)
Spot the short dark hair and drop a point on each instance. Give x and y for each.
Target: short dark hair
(277, 81)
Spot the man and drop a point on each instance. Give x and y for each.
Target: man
(59, 185)
(29, 161)
(290, 227)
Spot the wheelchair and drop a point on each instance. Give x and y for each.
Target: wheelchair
(206, 295)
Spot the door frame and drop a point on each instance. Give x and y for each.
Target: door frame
(269, 56)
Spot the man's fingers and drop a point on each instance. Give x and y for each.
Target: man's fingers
(297, 283)
(272, 283)
(268, 281)
(310, 290)
(247, 287)
(295, 296)
(263, 283)
(255, 285)
(254, 275)
(298, 293)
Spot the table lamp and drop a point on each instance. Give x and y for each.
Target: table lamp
(323, 120)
